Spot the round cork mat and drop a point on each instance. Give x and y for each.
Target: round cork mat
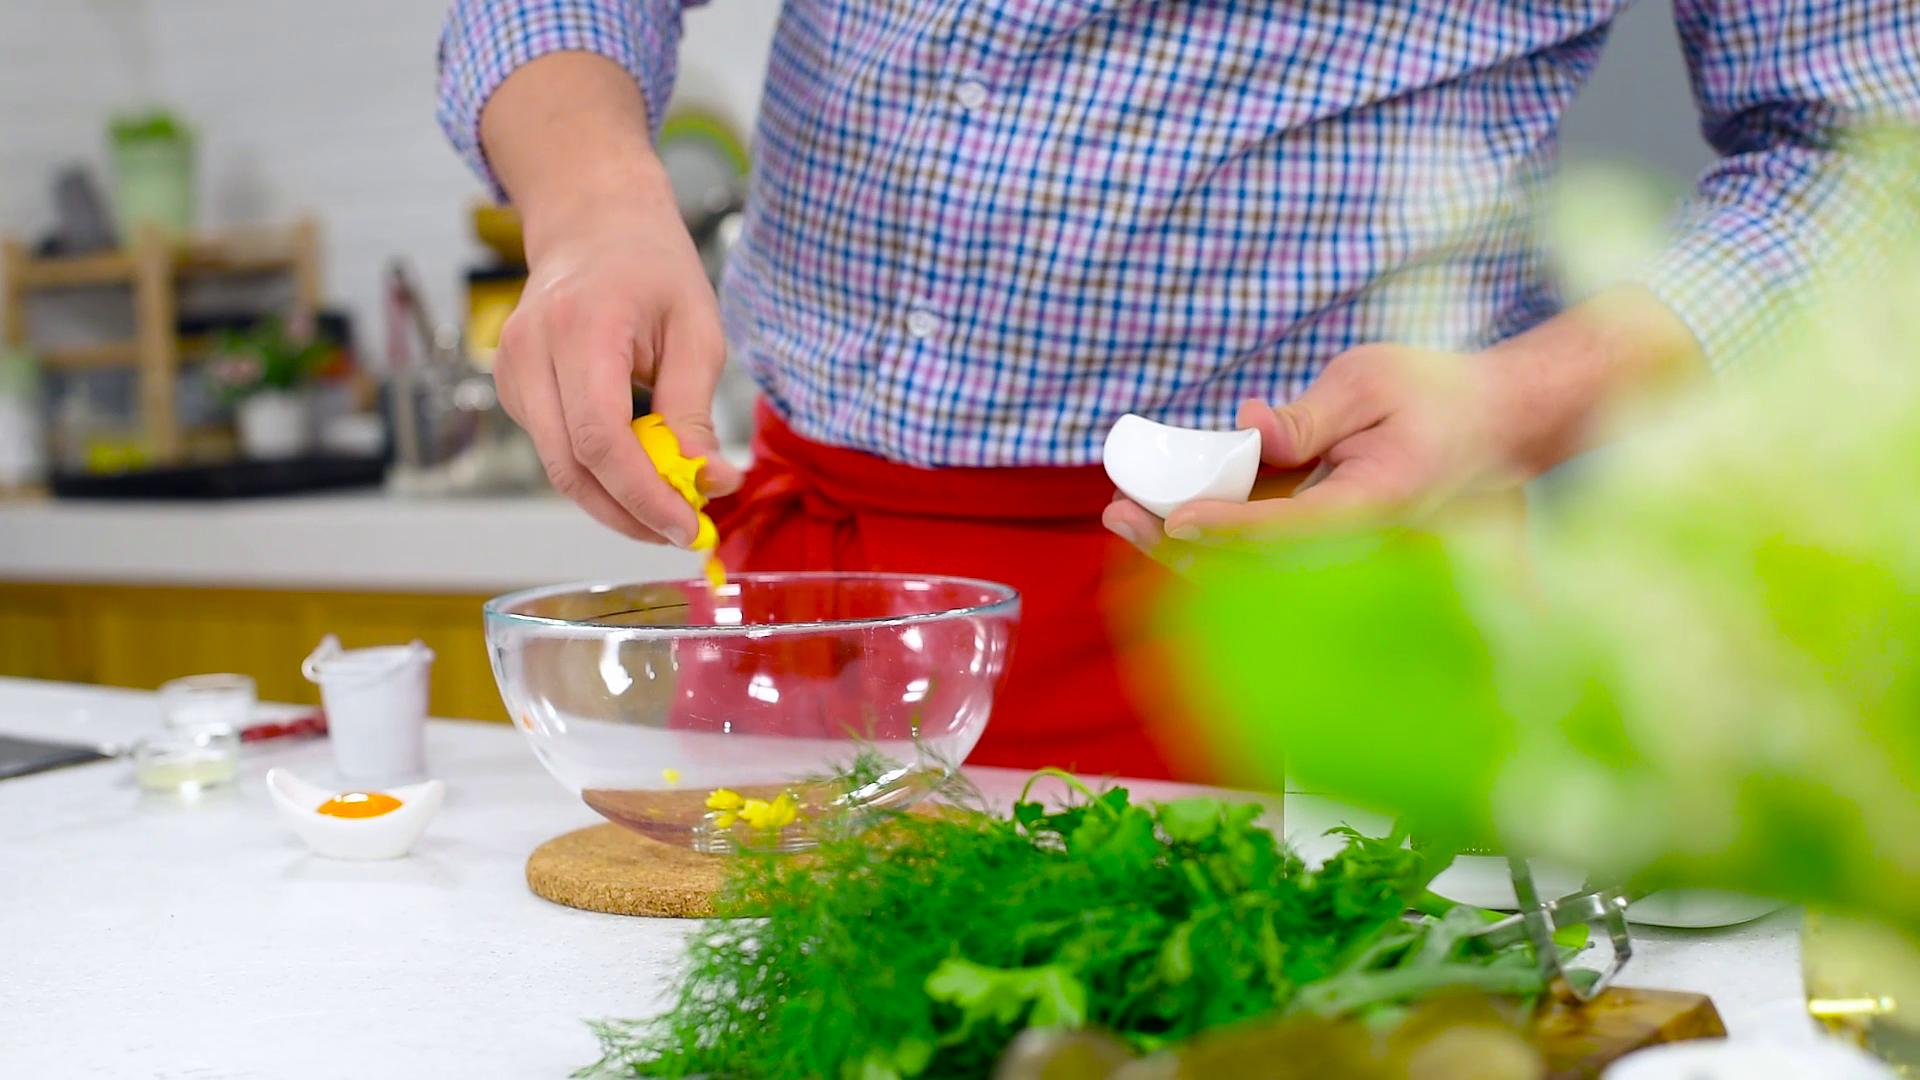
(612, 869)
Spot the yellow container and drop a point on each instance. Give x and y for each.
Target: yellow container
(498, 227)
(491, 297)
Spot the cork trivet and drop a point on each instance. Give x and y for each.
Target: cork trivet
(617, 869)
(612, 869)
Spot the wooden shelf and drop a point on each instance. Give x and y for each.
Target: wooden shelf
(110, 354)
(250, 251)
(150, 271)
(76, 271)
(86, 357)
(245, 251)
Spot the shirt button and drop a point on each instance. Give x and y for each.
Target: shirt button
(971, 94)
(922, 323)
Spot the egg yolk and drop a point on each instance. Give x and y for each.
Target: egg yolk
(682, 473)
(359, 804)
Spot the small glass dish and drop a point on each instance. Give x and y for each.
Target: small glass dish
(755, 714)
(186, 763)
(219, 702)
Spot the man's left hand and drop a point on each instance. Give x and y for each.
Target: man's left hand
(1385, 429)
(1395, 430)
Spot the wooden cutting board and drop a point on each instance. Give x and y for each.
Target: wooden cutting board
(1579, 1041)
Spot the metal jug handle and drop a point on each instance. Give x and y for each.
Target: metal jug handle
(414, 652)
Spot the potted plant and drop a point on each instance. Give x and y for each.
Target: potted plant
(267, 374)
(152, 157)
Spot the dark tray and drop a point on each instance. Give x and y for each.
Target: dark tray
(230, 480)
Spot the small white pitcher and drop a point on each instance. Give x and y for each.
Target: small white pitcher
(376, 705)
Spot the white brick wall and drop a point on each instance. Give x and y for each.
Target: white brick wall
(302, 106)
(63, 67)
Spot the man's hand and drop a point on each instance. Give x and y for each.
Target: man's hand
(616, 294)
(1392, 430)
(1384, 428)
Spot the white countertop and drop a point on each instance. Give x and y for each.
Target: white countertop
(355, 541)
(140, 936)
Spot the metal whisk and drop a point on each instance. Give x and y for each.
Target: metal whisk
(1537, 920)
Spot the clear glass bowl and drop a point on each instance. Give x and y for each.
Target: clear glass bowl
(759, 713)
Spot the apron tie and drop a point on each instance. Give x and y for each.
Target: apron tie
(781, 494)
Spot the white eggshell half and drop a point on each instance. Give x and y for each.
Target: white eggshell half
(388, 836)
(1160, 466)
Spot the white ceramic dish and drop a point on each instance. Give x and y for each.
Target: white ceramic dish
(388, 836)
(1749, 1059)
(1483, 881)
(1160, 466)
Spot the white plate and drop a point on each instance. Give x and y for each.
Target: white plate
(1483, 881)
(1755, 1059)
(1696, 909)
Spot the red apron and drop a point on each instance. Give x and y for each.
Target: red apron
(1078, 677)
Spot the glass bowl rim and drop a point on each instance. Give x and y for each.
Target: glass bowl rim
(494, 610)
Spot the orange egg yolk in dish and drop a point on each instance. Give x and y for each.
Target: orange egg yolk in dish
(359, 804)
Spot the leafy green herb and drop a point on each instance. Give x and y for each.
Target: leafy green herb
(924, 948)
(265, 357)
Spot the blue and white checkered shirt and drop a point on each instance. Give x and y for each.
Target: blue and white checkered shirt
(981, 230)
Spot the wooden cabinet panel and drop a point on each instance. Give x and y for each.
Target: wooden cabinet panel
(141, 637)
(40, 635)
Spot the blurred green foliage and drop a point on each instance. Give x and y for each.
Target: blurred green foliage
(1705, 667)
(157, 125)
(266, 357)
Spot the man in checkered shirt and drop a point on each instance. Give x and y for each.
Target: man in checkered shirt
(980, 231)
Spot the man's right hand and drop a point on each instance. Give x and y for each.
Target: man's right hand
(616, 293)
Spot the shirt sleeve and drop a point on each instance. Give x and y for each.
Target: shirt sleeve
(484, 41)
(1779, 84)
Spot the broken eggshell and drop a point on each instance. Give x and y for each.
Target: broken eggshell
(1160, 466)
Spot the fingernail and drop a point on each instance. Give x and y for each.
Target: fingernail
(677, 536)
(1124, 533)
(1183, 532)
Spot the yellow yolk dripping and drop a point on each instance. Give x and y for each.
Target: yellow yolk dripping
(359, 804)
(682, 473)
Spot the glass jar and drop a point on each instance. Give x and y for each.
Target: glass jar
(186, 763)
(221, 702)
(152, 176)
